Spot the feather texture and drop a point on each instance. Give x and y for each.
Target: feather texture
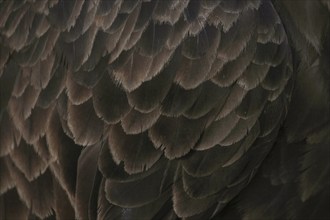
(212, 109)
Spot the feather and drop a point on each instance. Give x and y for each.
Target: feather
(41, 72)
(252, 103)
(154, 38)
(145, 14)
(279, 35)
(247, 143)
(104, 207)
(105, 21)
(206, 102)
(5, 9)
(62, 205)
(18, 38)
(86, 176)
(11, 206)
(21, 82)
(13, 20)
(77, 94)
(216, 67)
(140, 192)
(64, 14)
(233, 100)
(305, 16)
(67, 153)
(313, 180)
(53, 35)
(238, 5)
(53, 89)
(235, 40)
(114, 171)
(159, 62)
(89, 78)
(128, 6)
(204, 163)
(275, 34)
(21, 107)
(214, 109)
(225, 19)
(141, 23)
(134, 38)
(105, 7)
(83, 22)
(169, 11)
(109, 100)
(185, 206)
(28, 161)
(198, 54)
(178, 33)
(127, 31)
(80, 50)
(192, 11)
(208, 186)
(177, 136)
(7, 182)
(232, 70)
(131, 69)
(40, 26)
(42, 149)
(271, 116)
(136, 151)
(4, 54)
(35, 125)
(8, 78)
(310, 83)
(270, 53)
(267, 18)
(118, 24)
(32, 53)
(178, 100)
(137, 122)
(36, 194)
(84, 124)
(276, 77)
(285, 88)
(210, 3)
(9, 136)
(98, 51)
(217, 132)
(148, 211)
(241, 129)
(151, 93)
(253, 75)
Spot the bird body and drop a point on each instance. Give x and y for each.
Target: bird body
(164, 109)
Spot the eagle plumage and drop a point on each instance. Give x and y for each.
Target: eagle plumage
(164, 109)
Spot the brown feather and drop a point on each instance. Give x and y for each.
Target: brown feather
(36, 194)
(28, 161)
(7, 181)
(176, 136)
(136, 151)
(109, 100)
(217, 132)
(11, 206)
(185, 206)
(137, 122)
(151, 93)
(85, 126)
(9, 135)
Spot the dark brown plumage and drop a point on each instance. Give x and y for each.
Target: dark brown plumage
(193, 109)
